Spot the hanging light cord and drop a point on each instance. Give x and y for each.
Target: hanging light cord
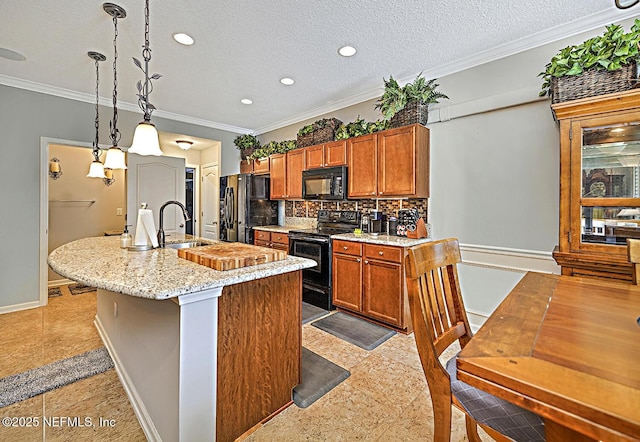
(96, 149)
(145, 89)
(619, 6)
(115, 133)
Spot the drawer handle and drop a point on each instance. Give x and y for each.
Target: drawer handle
(380, 253)
(345, 247)
(357, 259)
(366, 262)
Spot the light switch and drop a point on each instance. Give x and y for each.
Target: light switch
(119, 211)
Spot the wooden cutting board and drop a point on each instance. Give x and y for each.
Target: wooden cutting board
(228, 256)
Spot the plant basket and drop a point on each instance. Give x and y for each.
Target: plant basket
(412, 113)
(594, 82)
(244, 153)
(305, 140)
(326, 133)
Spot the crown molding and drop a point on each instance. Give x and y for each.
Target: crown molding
(122, 105)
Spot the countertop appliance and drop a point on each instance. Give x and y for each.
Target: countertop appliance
(325, 184)
(377, 223)
(315, 244)
(244, 204)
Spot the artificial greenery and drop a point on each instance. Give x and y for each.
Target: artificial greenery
(396, 97)
(273, 147)
(318, 124)
(246, 142)
(609, 51)
(360, 127)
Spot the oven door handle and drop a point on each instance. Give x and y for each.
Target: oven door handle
(309, 239)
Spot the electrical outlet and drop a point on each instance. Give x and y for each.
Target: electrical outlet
(119, 211)
(115, 309)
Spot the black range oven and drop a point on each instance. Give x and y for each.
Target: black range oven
(315, 244)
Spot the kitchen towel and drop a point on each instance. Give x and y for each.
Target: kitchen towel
(145, 229)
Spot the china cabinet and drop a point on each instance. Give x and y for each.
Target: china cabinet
(599, 184)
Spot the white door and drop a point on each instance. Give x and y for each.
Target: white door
(210, 201)
(156, 180)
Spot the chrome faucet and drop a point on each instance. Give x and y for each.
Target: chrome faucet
(161, 236)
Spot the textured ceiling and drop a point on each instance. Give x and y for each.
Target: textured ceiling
(244, 47)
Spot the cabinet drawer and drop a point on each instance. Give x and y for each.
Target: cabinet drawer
(385, 253)
(347, 247)
(262, 235)
(257, 242)
(280, 238)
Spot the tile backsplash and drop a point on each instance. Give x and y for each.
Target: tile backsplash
(390, 207)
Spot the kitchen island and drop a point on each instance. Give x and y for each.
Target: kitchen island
(202, 354)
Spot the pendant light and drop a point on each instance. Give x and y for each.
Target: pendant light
(96, 170)
(145, 138)
(115, 155)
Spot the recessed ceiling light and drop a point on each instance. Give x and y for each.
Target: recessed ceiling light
(184, 144)
(347, 51)
(11, 55)
(287, 81)
(183, 38)
(246, 101)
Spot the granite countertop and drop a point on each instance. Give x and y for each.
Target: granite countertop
(387, 240)
(280, 229)
(153, 274)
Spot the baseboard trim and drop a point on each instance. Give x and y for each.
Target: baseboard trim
(507, 259)
(59, 282)
(139, 409)
(19, 307)
(476, 319)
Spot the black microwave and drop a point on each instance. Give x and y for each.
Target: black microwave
(325, 184)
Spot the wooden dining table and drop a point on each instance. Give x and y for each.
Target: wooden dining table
(568, 349)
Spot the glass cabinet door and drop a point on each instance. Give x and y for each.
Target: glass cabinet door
(609, 200)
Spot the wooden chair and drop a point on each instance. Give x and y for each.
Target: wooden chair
(633, 253)
(439, 319)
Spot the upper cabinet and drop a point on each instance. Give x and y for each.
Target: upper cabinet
(286, 174)
(326, 155)
(599, 184)
(390, 163)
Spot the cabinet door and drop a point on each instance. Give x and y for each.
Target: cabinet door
(397, 162)
(335, 153)
(314, 157)
(347, 282)
(278, 167)
(363, 166)
(261, 165)
(295, 166)
(383, 291)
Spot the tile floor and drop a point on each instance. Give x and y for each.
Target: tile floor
(385, 399)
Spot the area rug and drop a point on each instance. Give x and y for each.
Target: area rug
(77, 289)
(21, 386)
(354, 330)
(319, 376)
(311, 312)
(54, 291)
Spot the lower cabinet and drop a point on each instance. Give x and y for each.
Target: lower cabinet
(368, 279)
(273, 240)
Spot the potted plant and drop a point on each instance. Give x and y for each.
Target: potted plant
(320, 131)
(360, 127)
(246, 144)
(408, 104)
(600, 65)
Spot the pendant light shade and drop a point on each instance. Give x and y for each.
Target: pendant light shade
(145, 140)
(96, 170)
(115, 159)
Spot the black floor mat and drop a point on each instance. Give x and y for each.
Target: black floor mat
(319, 376)
(354, 330)
(311, 312)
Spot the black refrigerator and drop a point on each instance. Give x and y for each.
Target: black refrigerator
(244, 204)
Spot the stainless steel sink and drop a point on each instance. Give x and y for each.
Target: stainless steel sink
(183, 245)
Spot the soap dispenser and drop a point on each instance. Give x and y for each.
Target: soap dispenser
(125, 238)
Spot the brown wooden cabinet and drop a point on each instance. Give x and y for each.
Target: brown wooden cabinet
(599, 184)
(368, 279)
(286, 174)
(390, 163)
(273, 240)
(326, 155)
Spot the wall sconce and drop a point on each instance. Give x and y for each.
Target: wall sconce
(108, 179)
(184, 144)
(55, 170)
